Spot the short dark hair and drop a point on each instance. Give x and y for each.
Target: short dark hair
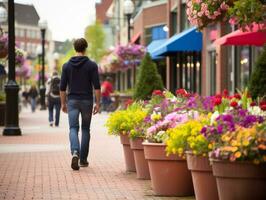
(80, 45)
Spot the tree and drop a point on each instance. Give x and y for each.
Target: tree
(148, 79)
(257, 83)
(95, 36)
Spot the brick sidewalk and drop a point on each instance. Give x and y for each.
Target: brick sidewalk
(37, 165)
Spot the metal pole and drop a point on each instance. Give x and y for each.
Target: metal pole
(43, 89)
(128, 28)
(39, 71)
(11, 88)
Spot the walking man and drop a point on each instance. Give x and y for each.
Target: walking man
(80, 76)
(53, 96)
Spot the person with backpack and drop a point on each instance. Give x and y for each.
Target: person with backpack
(54, 102)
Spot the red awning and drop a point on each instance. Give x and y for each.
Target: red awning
(256, 37)
(135, 38)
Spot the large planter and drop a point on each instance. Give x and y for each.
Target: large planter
(169, 174)
(141, 163)
(240, 180)
(2, 113)
(202, 176)
(128, 154)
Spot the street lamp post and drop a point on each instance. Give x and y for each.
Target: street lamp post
(128, 11)
(39, 55)
(43, 27)
(11, 88)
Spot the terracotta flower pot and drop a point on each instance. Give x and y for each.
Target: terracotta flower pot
(128, 153)
(141, 163)
(201, 171)
(169, 174)
(240, 180)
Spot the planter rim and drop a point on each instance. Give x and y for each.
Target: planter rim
(235, 162)
(153, 144)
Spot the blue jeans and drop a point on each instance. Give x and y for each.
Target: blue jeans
(33, 104)
(54, 103)
(83, 107)
(106, 102)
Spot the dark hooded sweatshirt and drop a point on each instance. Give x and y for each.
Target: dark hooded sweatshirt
(80, 75)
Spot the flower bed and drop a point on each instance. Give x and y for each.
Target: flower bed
(224, 127)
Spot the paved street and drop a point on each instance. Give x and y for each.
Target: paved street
(37, 164)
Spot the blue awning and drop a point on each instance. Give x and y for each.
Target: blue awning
(154, 45)
(188, 40)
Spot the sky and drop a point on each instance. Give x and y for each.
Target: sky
(66, 19)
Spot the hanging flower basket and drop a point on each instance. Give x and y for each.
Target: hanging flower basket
(3, 45)
(243, 13)
(204, 12)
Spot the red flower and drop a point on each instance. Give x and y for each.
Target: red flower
(128, 102)
(218, 96)
(237, 96)
(225, 93)
(157, 93)
(182, 92)
(263, 105)
(217, 101)
(234, 104)
(253, 103)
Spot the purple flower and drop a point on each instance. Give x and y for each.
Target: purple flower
(204, 130)
(220, 129)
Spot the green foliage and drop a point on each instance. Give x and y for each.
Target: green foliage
(65, 58)
(95, 36)
(257, 84)
(246, 12)
(148, 79)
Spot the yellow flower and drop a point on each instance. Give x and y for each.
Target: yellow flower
(238, 154)
(234, 143)
(210, 146)
(180, 150)
(245, 142)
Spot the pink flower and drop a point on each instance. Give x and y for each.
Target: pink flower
(200, 14)
(189, 3)
(217, 13)
(224, 6)
(204, 7)
(232, 21)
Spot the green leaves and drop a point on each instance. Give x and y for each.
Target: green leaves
(95, 36)
(148, 79)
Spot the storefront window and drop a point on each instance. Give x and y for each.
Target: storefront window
(154, 33)
(243, 69)
(184, 20)
(173, 22)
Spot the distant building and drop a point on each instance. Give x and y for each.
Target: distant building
(28, 35)
(101, 15)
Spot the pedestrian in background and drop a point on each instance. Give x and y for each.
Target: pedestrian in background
(33, 94)
(80, 75)
(25, 96)
(53, 99)
(106, 90)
